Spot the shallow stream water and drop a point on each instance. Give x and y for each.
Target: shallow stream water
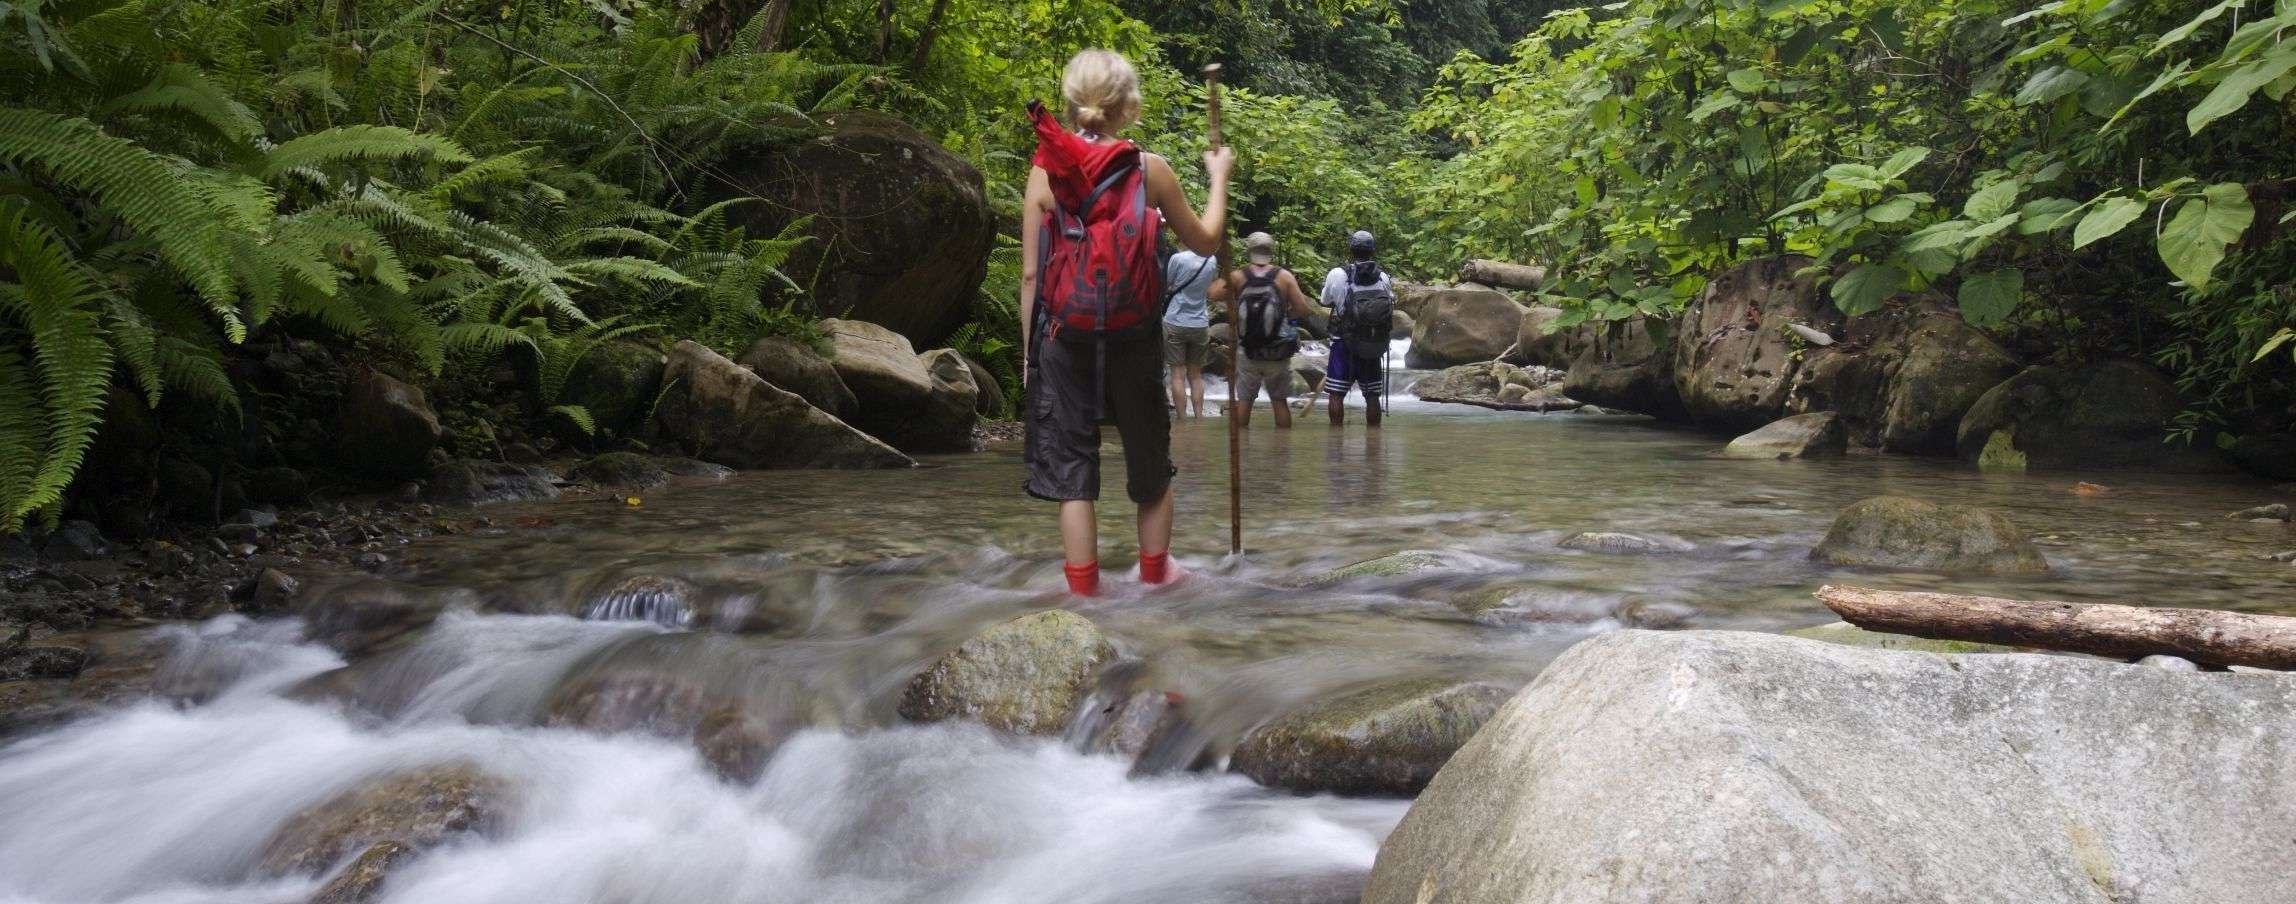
(810, 598)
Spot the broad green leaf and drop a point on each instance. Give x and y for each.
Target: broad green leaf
(1862, 291)
(2233, 93)
(2044, 214)
(1903, 161)
(1992, 201)
(2178, 34)
(2174, 74)
(1747, 81)
(1719, 102)
(2194, 241)
(1949, 234)
(1855, 175)
(1987, 299)
(1989, 230)
(1894, 210)
(2108, 217)
(2050, 84)
(2278, 339)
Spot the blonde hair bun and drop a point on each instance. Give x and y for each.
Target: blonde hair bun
(1102, 90)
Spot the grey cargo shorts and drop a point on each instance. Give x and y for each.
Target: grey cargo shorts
(1062, 452)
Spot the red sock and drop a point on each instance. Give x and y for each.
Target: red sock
(1156, 568)
(1083, 580)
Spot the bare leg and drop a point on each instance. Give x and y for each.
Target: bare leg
(1196, 388)
(1283, 411)
(1080, 538)
(1373, 407)
(1240, 407)
(1338, 409)
(1156, 525)
(1179, 387)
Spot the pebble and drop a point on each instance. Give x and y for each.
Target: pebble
(371, 560)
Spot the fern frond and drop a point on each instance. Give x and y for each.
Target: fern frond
(482, 339)
(144, 190)
(197, 372)
(509, 167)
(358, 144)
(580, 417)
(633, 269)
(56, 300)
(183, 88)
(623, 234)
(136, 343)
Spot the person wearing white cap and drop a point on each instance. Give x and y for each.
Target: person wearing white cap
(1267, 299)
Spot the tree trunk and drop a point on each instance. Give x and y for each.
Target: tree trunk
(1500, 274)
(717, 23)
(2205, 636)
(925, 40)
(884, 31)
(776, 16)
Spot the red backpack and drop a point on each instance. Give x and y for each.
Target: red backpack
(1097, 275)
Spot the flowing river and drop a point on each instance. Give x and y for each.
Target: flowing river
(810, 598)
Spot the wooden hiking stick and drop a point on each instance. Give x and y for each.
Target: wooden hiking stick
(1235, 344)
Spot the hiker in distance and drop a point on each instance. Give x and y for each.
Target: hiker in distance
(1267, 298)
(1091, 299)
(1188, 280)
(1362, 303)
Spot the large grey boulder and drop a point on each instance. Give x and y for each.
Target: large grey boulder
(893, 388)
(617, 382)
(1388, 739)
(946, 425)
(1903, 378)
(1818, 434)
(1541, 340)
(1025, 676)
(1626, 365)
(2112, 414)
(791, 366)
(900, 227)
(726, 414)
(1719, 768)
(1495, 384)
(1897, 532)
(1735, 360)
(1462, 325)
(385, 428)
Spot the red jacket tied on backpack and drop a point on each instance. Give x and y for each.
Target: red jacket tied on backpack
(1096, 271)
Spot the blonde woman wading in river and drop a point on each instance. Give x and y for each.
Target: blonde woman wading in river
(1091, 298)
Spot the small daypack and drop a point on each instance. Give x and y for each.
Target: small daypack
(1369, 319)
(1260, 315)
(1098, 275)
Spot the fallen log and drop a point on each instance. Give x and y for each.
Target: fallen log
(1503, 275)
(2206, 636)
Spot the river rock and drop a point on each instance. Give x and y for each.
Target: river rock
(726, 414)
(946, 423)
(1462, 325)
(274, 591)
(991, 401)
(467, 482)
(1818, 434)
(617, 382)
(1384, 740)
(1735, 360)
(1850, 635)
(385, 428)
(1402, 564)
(42, 659)
(794, 367)
(1737, 767)
(900, 227)
(418, 808)
(1025, 676)
(1540, 339)
(1497, 385)
(1622, 543)
(2113, 414)
(1897, 532)
(1399, 326)
(899, 399)
(2271, 512)
(363, 880)
(2265, 454)
(1627, 365)
(620, 471)
(1902, 379)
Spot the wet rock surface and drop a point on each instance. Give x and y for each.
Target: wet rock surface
(1734, 359)
(794, 367)
(417, 809)
(1384, 740)
(467, 482)
(1897, 532)
(1623, 543)
(620, 471)
(725, 413)
(1815, 435)
(2113, 414)
(1025, 676)
(1462, 325)
(1726, 766)
(1496, 385)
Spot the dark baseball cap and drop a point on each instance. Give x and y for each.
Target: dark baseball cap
(1360, 241)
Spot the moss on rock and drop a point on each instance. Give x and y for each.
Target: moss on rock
(1026, 676)
(1897, 532)
(1388, 739)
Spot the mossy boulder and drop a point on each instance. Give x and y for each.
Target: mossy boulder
(1850, 635)
(1384, 740)
(1902, 379)
(1394, 565)
(1025, 676)
(2113, 414)
(1818, 434)
(1897, 532)
(419, 809)
(617, 382)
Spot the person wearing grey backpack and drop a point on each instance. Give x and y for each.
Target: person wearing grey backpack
(1362, 302)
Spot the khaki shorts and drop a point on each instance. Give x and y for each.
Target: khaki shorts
(1187, 346)
(1275, 376)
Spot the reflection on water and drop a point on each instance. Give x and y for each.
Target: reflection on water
(581, 649)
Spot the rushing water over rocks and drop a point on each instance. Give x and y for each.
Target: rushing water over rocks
(694, 699)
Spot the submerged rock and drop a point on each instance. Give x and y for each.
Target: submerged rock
(467, 482)
(363, 880)
(1897, 532)
(41, 659)
(1385, 740)
(620, 471)
(418, 809)
(1622, 543)
(1818, 434)
(2272, 512)
(1407, 562)
(724, 413)
(1026, 676)
(1737, 767)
